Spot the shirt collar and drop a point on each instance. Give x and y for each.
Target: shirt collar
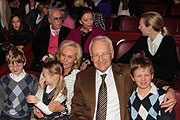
(106, 72)
(157, 40)
(153, 89)
(53, 31)
(19, 77)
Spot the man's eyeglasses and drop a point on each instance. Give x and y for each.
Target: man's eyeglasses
(58, 18)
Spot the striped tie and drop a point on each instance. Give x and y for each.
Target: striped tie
(102, 100)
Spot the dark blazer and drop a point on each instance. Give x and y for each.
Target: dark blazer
(165, 62)
(41, 42)
(83, 101)
(31, 17)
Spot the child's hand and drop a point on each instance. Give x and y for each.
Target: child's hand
(41, 83)
(32, 99)
(38, 113)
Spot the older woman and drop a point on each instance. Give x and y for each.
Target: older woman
(69, 54)
(157, 45)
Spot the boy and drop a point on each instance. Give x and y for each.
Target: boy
(15, 87)
(145, 101)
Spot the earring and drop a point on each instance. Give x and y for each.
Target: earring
(75, 62)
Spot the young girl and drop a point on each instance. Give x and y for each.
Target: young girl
(54, 89)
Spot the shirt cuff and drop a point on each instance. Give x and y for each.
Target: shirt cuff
(43, 58)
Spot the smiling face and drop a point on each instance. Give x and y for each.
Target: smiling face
(16, 68)
(87, 21)
(143, 77)
(101, 55)
(55, 19)
(67, 58)
(145, 30)
(16, 22)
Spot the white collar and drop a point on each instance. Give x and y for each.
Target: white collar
(52, 30)
(106, 72)
(19, 77)
(153, 91)
(157, 40)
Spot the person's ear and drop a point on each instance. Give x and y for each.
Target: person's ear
(112, 54)
(49, 19)
(152, 76)
(132, 77)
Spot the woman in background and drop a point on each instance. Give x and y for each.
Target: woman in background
(31, 6)
(157, 45)
(19, 34)
(68, 21)
(85, 32)
(98, 17)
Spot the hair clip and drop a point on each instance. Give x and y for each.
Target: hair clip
(60, 74)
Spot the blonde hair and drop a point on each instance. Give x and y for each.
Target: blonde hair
(78, 3)
(156, 21)
(139, 61)
(76, 46)
(15, 55)
(55, 67)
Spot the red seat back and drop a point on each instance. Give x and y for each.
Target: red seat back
(123, 47)
(160, 8)
(177, 107)
(129, 24)
(175, 10)
(172, 25)
(108, 23)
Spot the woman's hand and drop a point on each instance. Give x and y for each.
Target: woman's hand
(38, 113)
(56, 106)
(32, 99)
(85, 64)
(169, 100)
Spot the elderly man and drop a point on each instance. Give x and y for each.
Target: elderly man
(48, 39)
(102, 92)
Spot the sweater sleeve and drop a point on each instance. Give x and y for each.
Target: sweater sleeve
(44, 108)
(1, 96)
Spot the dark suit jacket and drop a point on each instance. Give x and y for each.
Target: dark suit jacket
(41, 42)
(83, 101)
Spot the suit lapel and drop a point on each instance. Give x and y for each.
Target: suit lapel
(92, 91)
(118, 77)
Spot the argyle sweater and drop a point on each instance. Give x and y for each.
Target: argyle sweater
(149, 107)
(13, 95)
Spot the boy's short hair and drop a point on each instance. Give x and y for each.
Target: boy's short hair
(139, 61)
(15, 55)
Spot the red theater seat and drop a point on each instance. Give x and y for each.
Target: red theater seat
(160, 8)
(123, 47)
(108, 23)
(172, 25)
(175, 10)
(129, 24)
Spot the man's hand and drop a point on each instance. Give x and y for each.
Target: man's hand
(38, 113)
(56, 106)
(169, 100)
